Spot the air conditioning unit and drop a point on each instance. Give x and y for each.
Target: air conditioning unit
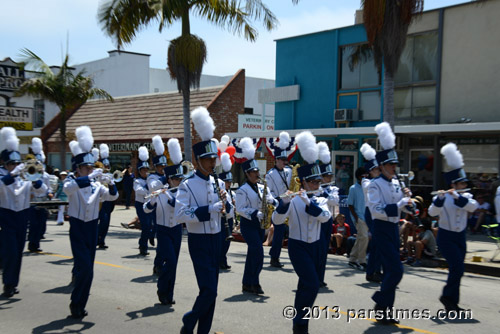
(341, 115)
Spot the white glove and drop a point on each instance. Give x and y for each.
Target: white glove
(455, 194)
(286, 199)
(260, 215)
(304, 198)
(105, 179)
(441, 195)
(270, 200)
(216, 208)
(95, 174)
(403, 202)
(16, 171)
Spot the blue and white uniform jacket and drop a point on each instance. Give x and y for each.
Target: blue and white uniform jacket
(141, 189)
(331, 193)
(43, 196)
(164, 204)
(276, 180)
(453, 212)
(84, 196)
(15, 193)
(304, 221)
(385, 199)
(156, 182)
(248, 203)
(230, 198)
(194, 197)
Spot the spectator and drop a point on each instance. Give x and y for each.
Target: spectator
(409, 224)
(341, 232)
(424, 247)
(61, 195)
(482, 215)
(356, 202)
(128, 185)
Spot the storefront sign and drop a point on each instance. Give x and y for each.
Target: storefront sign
(128, 147)
(17, 117)
(470, 141)
(11, 76)
(247, 123)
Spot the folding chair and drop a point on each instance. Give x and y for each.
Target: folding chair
(491, 232)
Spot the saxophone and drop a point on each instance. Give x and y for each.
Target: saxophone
(266, 209)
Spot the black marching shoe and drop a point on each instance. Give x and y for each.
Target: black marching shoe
(35, 250)
(184, 330)
(143, 252)
(450, 305)
(9, 291)
(102, 246)
(247, 288)
(257, 289)
(375, 278)
(323, 285)
(76, 311)
(301, 328)
(275, 262)
(152, 241)
(386, 318)
(224, 266)
(164, 300)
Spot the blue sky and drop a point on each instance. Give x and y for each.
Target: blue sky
(43, 27)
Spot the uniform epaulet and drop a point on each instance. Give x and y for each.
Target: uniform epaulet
(190, 177)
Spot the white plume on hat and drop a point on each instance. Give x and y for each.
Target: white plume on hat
(9, 139)
(248, 150)
(453, 157)
(203, 123)
(36, 145)
(307, 146)
(284, 140)
(95, 153)
(42, 157)
(104, 151)
(84, 137)
(385, 135)
(143, 153)
(75, 148)
(368, 152)
(324, 152)
(158, 145)
(174, 149)
(226, 162)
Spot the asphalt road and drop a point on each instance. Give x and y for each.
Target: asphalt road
(123, 295)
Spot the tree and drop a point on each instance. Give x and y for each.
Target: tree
(386, 23)
(67, 90)
(122, 20)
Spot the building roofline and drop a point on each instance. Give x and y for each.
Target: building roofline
(129, 52)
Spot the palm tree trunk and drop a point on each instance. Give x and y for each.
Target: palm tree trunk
(388, 115)
(62, 138)
(187, 122)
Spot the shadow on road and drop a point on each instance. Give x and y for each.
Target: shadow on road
(67, 289)
(6, 301)
(145, 279)
(66, 325)
(243, 297)
(378, 328)
(150, 311)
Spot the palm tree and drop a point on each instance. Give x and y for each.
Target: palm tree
(386, 23)
(67, 90)
(122, 20)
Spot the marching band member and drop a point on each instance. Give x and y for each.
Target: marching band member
(331, 193)
(38, 215)
(107, 206)
(168, 227)
(452, 207)
(156, 182)
(278, 181)
(14, 209)
(227, 177)
(249, 205)
(371, 166)
(386, 200)
(306, 213)
(141, 190)
(199, 206)
(3, 172)
(84, 193)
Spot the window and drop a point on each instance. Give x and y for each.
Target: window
(249, 111)
(418, 61)
(38, 113)
(370, 105)
(415, 104)
(358, 68)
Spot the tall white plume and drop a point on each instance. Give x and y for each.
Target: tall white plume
(104, 151)
(95, 153)
(284, 140)
(84, 137)
(174, 150)
(9, 139)
(385, 135)
(143, 153)
(158, 145)
(75, 148)
(42, 157)
(226, 162)
(36, 145)
(453, 157)
(324, 152)
(307, 146)
(247, 147)
(368, 152)
(203, 123)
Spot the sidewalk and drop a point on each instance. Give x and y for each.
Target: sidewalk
(478, 245)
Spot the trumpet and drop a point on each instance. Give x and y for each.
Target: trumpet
(33, 170)
(440, 192)
(117, 176)
(158, 192)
